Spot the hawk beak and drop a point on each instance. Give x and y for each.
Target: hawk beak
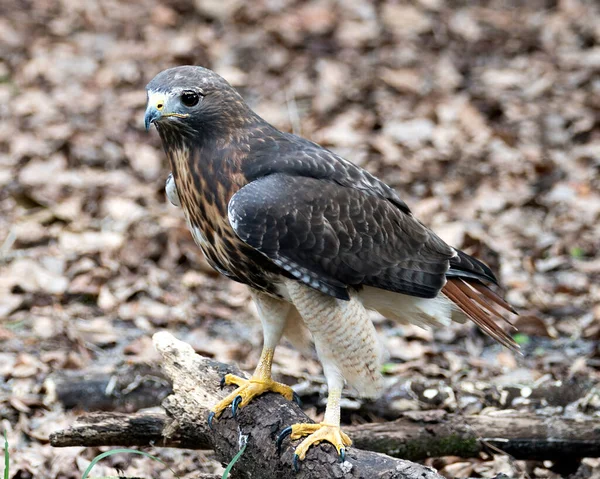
(152, 114)
(156, 104)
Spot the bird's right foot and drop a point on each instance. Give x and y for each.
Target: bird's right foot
(316, 433)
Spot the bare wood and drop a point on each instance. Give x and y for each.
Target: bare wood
(414, 436)
(130, 387)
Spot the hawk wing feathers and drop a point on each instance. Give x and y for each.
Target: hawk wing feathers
(332, 225)
(295, 156)
(331, 236)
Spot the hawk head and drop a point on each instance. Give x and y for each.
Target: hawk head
(194, 100)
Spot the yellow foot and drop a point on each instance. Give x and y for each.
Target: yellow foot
(247, 390)
(316, 433)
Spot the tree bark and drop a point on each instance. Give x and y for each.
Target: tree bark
(416, 436)
(195, 389)
(118, 429)
(524, 436)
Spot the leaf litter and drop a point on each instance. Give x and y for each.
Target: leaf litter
(483, 116)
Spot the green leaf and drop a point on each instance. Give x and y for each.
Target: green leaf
(235, 459)
(387, 368)
(15, 325)
(577, 252)
(521, 339)
(6, 455)
(118, 451)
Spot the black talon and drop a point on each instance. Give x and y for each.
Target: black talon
(235, 404)
(211, 416)
(297, 400)
(282, 435)
(296, 464)
(222, 383)
(342, 454)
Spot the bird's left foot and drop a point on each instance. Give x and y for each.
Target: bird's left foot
(316, 433)
(247, 390)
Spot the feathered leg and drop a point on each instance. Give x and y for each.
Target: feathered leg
(348, 348)
(273, 314)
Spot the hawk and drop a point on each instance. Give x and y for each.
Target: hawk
(318, 240)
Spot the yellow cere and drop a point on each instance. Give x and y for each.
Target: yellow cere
(157, 99)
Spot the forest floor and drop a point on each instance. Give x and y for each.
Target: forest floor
(485, 116)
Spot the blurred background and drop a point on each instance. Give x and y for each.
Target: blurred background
(485, 116)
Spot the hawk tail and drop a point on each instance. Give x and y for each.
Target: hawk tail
(483, 306)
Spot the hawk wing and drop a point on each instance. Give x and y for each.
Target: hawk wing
(331, 236)
(295, 156)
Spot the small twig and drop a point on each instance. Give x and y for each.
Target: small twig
(7, 244)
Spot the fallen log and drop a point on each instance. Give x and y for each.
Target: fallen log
(416, 436)
(126, 388)
(195, 389)
(136, 429)
(422, 434)
(130, 387)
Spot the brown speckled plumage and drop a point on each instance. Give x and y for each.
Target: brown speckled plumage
(205, 183)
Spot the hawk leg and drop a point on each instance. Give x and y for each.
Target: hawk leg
(348, 347)
(327, 431)
(273, 314)
(248, 389)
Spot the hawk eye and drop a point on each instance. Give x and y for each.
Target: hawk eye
(190, 98)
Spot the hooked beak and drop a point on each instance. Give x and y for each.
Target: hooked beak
(154, 108)
(152, 114)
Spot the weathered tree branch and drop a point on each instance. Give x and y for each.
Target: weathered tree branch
(195, 389)
(416, 436)
(118, 429)
(524, 436)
